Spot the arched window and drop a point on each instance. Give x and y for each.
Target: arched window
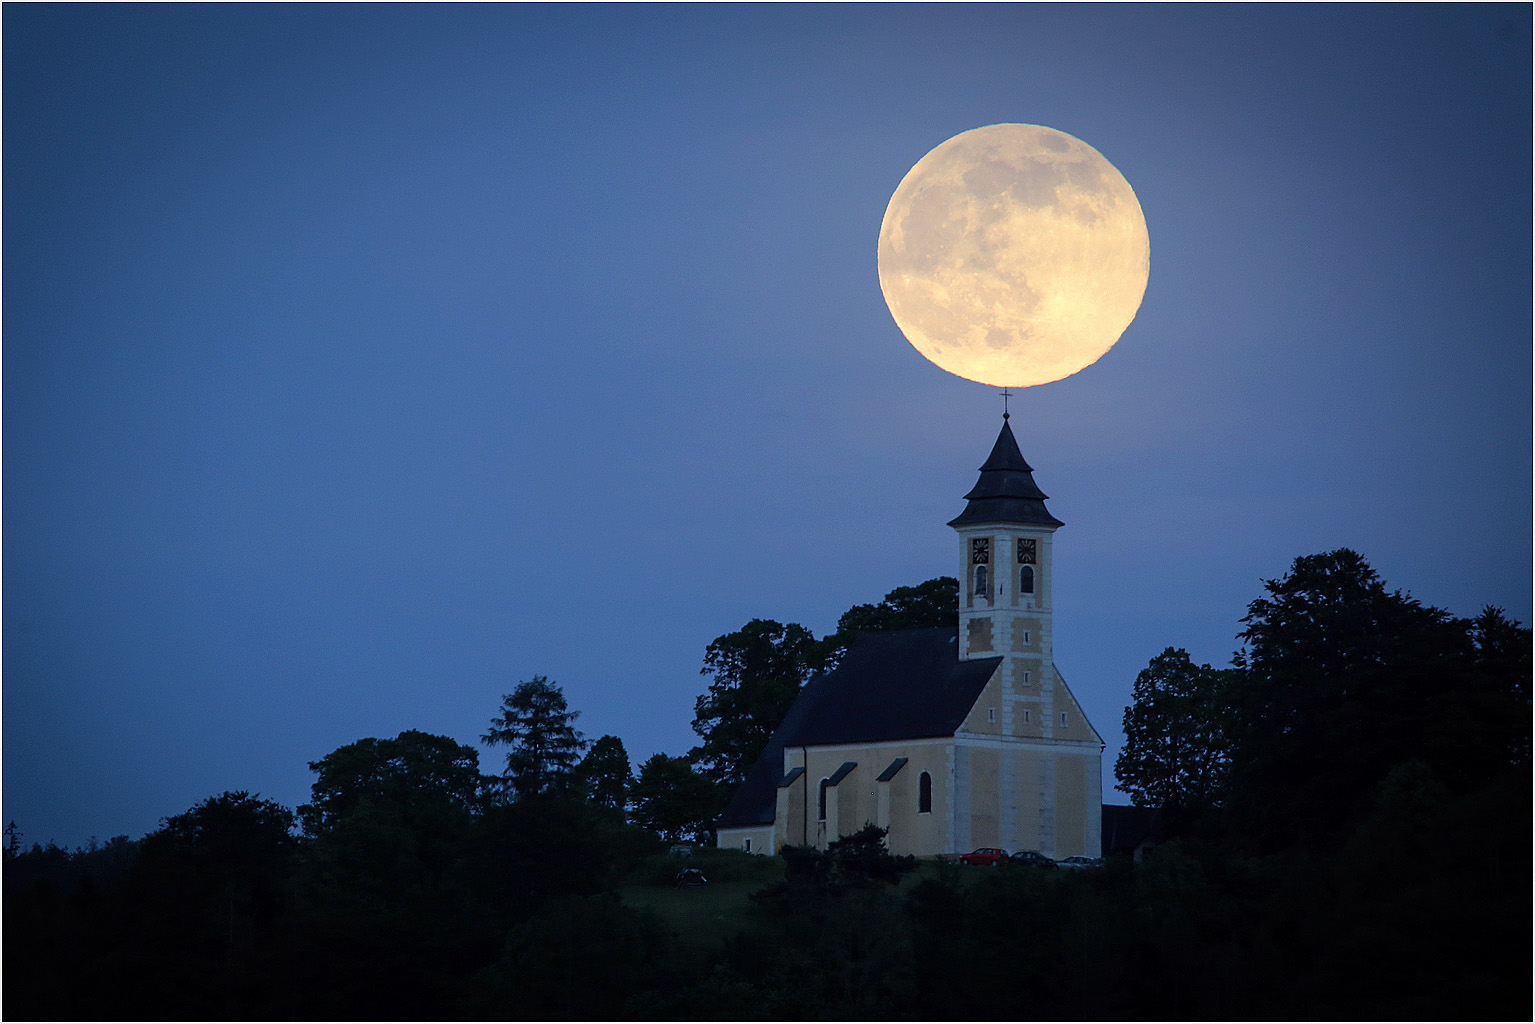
(820, 813)
(980, 581)
(924, 793)
(1026, 580)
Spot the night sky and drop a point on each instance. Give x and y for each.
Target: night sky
(361, 362)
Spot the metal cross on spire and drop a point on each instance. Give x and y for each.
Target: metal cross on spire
(1006, 394)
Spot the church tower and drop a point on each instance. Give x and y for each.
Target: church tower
(1005, 548)
(1006, 602)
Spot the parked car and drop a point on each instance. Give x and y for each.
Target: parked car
(986, 855)
(1033, 858)
(1079, 863)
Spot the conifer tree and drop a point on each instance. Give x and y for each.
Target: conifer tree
(535, 723)
(604, 774)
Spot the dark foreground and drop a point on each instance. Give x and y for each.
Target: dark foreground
(553, 909)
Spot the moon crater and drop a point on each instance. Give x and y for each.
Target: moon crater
(1013, 255)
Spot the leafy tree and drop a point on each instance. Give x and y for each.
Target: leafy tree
(675, 801)
(388, 910)
(199, 915)
(535, 723)
(758, 672)
(604, 775)
(230, 850)
(1177, 734)
(228, 828)
(1341, 681)
(414, 770)
(927, 605)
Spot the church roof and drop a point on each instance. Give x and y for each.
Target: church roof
(894, 685)
(1006, 491)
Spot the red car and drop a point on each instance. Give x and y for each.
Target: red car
(986, 855)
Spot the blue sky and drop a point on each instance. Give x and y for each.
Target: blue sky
(360, 362)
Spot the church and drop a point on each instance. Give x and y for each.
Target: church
(950, 738)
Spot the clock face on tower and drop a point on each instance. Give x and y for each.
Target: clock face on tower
(980, 550)
(1026, 550)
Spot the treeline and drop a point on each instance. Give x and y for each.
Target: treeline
(1345, 808)
(1341, 687)
(411, 884)
(386, 897)
(1345, 829)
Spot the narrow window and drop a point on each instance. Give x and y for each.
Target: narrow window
(924, 793)
(980, 581)
(1026, 637)
(1027, 717)
(746, 844)
(991, 714)
(1063, 719)
(1026, 580)
(820, 814)
(1025, 678)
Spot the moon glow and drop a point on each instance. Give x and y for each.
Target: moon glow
(1013, 255)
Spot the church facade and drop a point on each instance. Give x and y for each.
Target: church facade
(951, 738)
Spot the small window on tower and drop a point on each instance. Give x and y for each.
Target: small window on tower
(991, 714)
(924, 793)
(1025, 678)
(1026, 637)
(980, 581)
(1026, 580)
(1028, 717)
(1063, 719)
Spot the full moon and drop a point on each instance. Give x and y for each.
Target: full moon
(1013, 255)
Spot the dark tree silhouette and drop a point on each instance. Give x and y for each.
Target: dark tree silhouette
(544, 748)
(413, 770)
(389, 912)
(1496, 700)
(673, 800)
(1342, 680)
(200, 913)
(604, 775)
(927, 605)
(758, 671)
(1177, 734)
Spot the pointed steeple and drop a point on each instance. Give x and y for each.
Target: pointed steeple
(1006, 491)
